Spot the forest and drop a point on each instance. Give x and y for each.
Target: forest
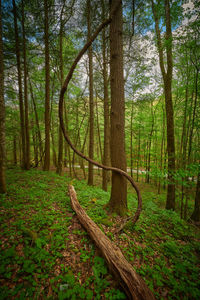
(100, 149)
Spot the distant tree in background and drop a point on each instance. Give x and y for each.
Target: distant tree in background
(47, 88)
(91, 99)
(2, 116)
(166, 71)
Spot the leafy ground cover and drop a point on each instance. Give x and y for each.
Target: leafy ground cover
(46, 254)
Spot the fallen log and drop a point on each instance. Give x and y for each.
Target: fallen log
(132, 284)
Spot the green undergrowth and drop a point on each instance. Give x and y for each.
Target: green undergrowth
(46, 254)
(37, 245)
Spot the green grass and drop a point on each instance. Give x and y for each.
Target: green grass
(46, 254)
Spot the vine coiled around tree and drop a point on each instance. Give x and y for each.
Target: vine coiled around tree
(61, 100)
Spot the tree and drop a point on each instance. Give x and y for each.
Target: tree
(167, 80)
(47, 89)
(91, 100)
(21, 104)
(106, 154)
(118, 200)
(2, 116)
(60, 144)
(27, 139)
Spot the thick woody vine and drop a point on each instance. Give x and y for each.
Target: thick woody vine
(61, 100)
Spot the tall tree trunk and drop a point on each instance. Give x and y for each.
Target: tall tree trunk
(138, 154)
(149, 144)
(118, 200)
(27, 138)
(67, 146)
(161, 149)
(14, 150)
(106, 146)
(36, 121)
(184, 138)
(47, 89)
(167, 79)
(2, 117)
(91, 105)
(98, 131)
(131, 142)
(21, 104)
(55, 162)
(60, 143)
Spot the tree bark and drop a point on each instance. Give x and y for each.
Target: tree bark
(98, 131)
(47, 89)
(106, 147)
(132, 284)
(167, 79)
(60, 143)
(21, 104)
(91, 99)
(131, 139)
(2, 117)
(26, 109)
(118, 200)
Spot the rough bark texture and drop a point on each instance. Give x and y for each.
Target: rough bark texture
(167, 79)
(26, 110)
(2, 117)
(106, 151)
(91, 98)
(60, 145)
(21, 104)
(61, 104)
(47, 90)
(132, 284)
(118, 200)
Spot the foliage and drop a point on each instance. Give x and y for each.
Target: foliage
(38, 241)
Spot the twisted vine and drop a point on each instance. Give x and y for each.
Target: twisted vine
(61, 100)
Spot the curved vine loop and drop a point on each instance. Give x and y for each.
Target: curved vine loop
(61, 100)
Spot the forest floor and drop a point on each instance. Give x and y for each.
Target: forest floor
(46, 254)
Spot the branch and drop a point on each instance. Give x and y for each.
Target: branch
(61, 100)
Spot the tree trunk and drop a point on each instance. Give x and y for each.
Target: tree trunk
(167, 79)
(106, 147)
(14, 150)
(61, 103)
(2, 117)
(27, 138)
(98, 131)
(47, 89)
(149, 143)
(91, 105)
(67, 146)
(161, 150)
(36, 121)
(118, 200)
(132, 284)
(138, 155)
(60, 143)
(21, 104)
(131, 142)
